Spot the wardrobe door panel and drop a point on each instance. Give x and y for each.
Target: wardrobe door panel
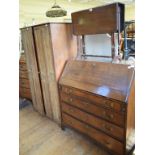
(46, 64)
(29, 49)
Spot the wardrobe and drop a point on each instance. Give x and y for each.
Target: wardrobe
(47, 47)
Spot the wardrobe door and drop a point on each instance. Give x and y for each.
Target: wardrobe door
(46, 65)
(29, 49)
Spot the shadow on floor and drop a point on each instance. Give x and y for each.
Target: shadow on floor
(23, 103)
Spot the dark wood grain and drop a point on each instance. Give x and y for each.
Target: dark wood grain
(101, 124)
(24, 79)
(97, 93)
(94, 98)
(102, 138)
(104, 79)
(103, 19)
(94, 109)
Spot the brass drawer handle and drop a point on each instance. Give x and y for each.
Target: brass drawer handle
(111, 104)
(108, 116)
(107, 127)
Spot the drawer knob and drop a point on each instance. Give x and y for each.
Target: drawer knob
(107, 128)
(107, 115)
(111, 104)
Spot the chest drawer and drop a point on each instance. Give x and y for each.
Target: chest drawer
(106, 114)
(103, 125)
(24, 92)
(22, 66)
(24, 83)
(110, 143)
(98, 100)
(23, 74)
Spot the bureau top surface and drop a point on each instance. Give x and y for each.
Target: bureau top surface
(104, 79)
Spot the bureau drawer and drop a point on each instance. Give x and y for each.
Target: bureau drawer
(93, 109)
(110, 143)
(103, 125)
(24, 83)
(101, 101)
(23, 74)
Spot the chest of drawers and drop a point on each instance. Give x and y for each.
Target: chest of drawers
(97, 99)
(24, 85)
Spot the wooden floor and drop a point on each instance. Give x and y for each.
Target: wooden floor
(40, 136)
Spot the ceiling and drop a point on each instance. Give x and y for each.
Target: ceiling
(33, 11)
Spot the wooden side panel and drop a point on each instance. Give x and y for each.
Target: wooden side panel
(28, 43)
(64, 46)
(130, 124)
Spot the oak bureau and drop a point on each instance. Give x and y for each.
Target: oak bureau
(97, 99)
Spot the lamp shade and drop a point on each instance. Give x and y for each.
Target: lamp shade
(56, 11)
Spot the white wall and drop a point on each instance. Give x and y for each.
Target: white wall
(98, 45)
(35, 9)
